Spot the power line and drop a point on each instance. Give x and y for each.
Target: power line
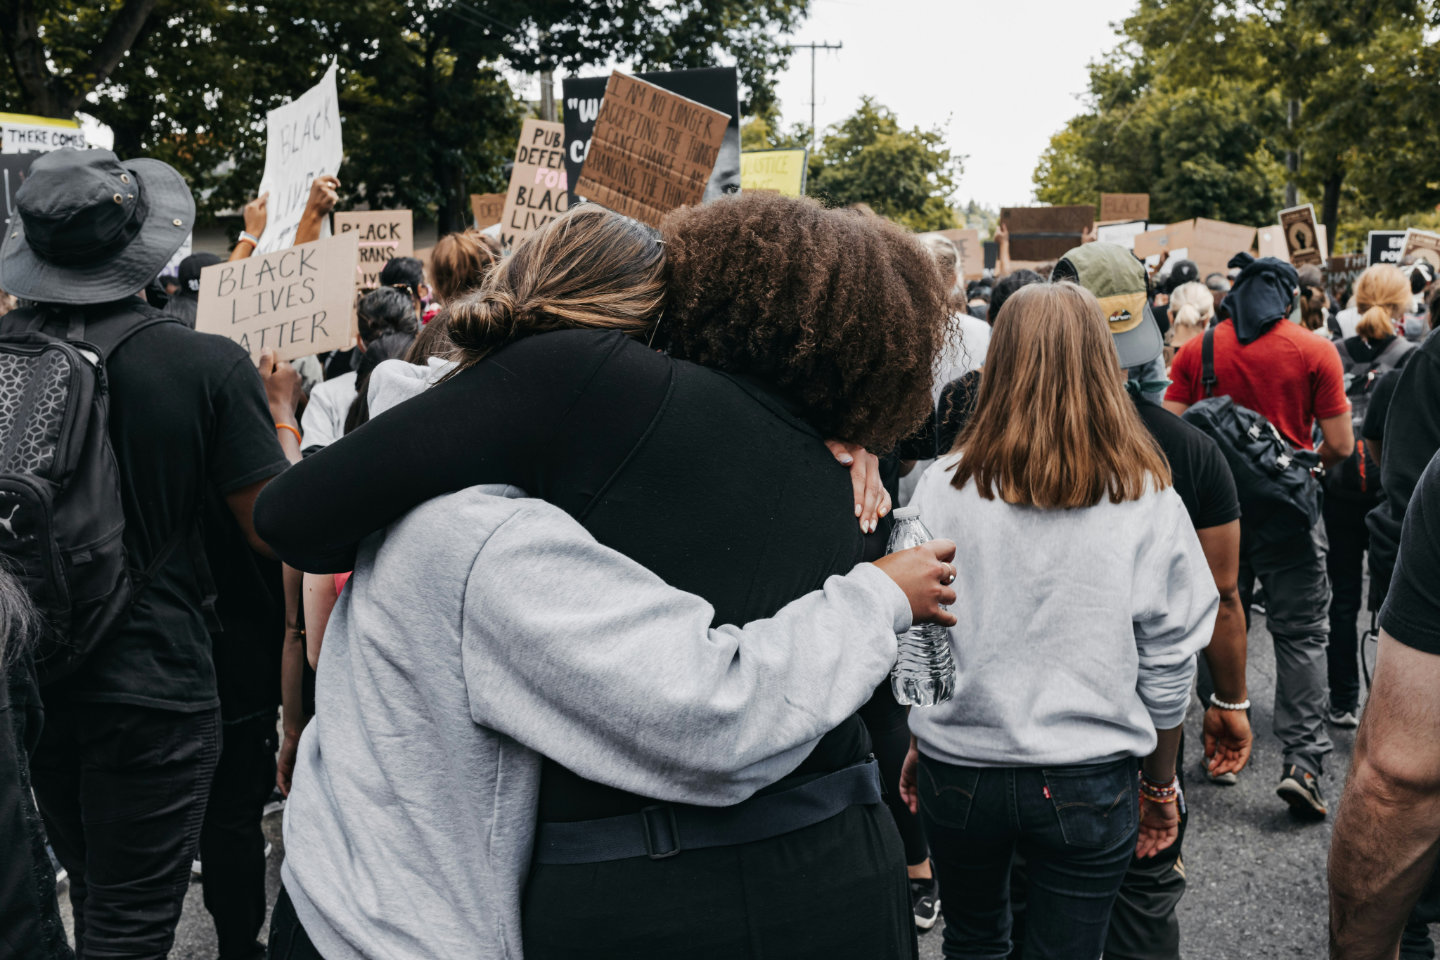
(812, 48)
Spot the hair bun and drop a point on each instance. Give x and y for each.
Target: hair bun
(481, 320)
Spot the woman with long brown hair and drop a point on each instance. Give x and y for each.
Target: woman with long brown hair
(784, 323)
(1082, 597)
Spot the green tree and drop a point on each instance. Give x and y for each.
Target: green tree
(906, 175)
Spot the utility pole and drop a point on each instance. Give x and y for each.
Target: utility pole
(547, 95)
(813, 47)
(1292, 158)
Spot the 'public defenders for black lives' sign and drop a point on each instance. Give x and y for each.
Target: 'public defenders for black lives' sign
(296, 301)
(538, 192)
(652, 150)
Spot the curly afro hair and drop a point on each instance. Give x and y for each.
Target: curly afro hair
(845, 313)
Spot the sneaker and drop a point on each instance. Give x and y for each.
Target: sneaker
(61, 874)
(1221, 779)
(1344, 718)
(1302, 791)
(925, 899)
(195, 867)
(275, 804)
(269, 849)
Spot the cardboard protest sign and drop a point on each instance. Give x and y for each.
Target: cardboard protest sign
(1384, 246)
(1422, 245)
(1342, 272)
(651, 151)
(297, 301)
(538, 191)
(382, 234)
(716, 87)
(1123, 233)
(1270, 242)
(1210, 243)
(781, 171)
(1124, 206)
(1038, 234)
(303, 142)
(23, 133)
(1302, 240)
(487, 209)
(972, 255)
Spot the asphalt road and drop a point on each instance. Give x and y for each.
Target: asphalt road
(1256, 876)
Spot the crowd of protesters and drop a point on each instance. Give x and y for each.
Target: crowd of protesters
(559, 610)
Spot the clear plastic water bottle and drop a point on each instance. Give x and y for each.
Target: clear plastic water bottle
(924, 673)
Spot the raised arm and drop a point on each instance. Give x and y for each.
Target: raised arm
(623, 681)
(501, 421)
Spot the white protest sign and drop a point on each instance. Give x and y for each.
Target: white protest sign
(296, 301)
(303, 142)
(22, 133)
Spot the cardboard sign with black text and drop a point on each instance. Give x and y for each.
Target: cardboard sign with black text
(1423, 245)
(538, 192)
(302, 142)
(296, 301)
(1384, 246)
(1302, 238)
(487, 209)
(383, 234)
(1038, 234)
(1342, 272)
(651, 152)
(716, 87)
(1124, 206)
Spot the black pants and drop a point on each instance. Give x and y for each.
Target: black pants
(1345, 527)
(889, 728)
(232, 845)
(833, 891)
(288, 940)
(123, 790)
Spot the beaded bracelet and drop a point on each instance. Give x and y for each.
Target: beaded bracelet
(1159, 793)
(1217, 702)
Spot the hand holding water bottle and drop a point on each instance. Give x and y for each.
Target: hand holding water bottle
(924, 673)
(924, 572)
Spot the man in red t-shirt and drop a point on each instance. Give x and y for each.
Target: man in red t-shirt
(1293, 379)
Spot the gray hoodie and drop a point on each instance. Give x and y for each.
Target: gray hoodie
(479, 633)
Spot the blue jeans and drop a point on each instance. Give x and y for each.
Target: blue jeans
(1076, 828)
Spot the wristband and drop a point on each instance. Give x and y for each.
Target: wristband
(250, 238)
(291, 428)
(1159, 792)
(1217, 702)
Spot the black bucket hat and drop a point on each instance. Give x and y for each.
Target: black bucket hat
(90, 229)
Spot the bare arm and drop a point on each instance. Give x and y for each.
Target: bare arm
(1228, 738)
(283, 392)
(292, 676)
(324, 192)
(320, 596)
(255, 215)
(1386, 833)
(1339, 439)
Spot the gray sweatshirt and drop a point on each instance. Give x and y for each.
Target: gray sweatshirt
(479, 633)
(1077, 629)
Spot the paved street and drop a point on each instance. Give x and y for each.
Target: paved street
(1257, 877)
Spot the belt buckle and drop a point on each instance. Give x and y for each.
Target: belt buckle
(650, 838)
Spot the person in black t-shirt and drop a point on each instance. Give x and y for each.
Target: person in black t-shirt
(125, 761)
(1382, 854)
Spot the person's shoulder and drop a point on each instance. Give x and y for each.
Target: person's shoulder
(1165, 426)
(468, 520)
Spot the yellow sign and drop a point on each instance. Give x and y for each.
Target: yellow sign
(780, 171)
(22, 133)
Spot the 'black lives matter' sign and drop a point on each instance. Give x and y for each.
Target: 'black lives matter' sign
(296, 301)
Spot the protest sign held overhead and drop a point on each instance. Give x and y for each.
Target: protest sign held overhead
(716, 87)
(652, 150)
(487, 208)
(1115, 207)
(382, 234)
(1342, 272)
(1422, 245)
(779, 171)
(1045, 233)
(1302, 239)
(538, 191)
(303, 142)
(22, 133)
(1209, 243)
(1384, 246)
(1122, 233)
(296, 301)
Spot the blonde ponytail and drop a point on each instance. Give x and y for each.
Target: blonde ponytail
(1381, 294)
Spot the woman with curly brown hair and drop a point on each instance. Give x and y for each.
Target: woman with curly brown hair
(786, 323)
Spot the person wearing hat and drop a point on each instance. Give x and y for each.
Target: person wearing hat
(185, 300)
(1143, 924)
(124, 763)
(1293, 379)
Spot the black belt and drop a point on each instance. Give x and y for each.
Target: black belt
(664, 829)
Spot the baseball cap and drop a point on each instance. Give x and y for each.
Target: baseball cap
(1117, 280)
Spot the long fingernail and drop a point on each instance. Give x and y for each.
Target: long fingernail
(857, 509)
(846, 459)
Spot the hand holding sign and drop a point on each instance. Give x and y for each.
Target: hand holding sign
(303, 142)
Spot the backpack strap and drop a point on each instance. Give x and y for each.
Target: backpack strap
(1207, 362)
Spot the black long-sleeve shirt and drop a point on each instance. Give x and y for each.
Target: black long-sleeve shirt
(710, 480)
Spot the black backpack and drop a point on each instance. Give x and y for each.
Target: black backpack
(1279, 495)
(61, 520)
(1357, 477)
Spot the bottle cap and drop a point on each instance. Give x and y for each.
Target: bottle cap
(906, 513)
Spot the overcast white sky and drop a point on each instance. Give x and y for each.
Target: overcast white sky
(1005, 72)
